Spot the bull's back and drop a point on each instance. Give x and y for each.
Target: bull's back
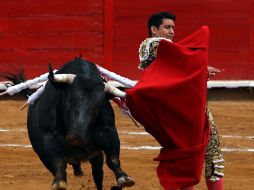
(80, 66)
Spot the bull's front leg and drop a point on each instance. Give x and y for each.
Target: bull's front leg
(54, 161)
(123, 180)
(111, 146)
(60, 176)
(97, 169)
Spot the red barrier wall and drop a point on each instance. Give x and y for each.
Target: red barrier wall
(108, 32)
(34, 33)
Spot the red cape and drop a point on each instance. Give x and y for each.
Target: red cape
(170, 102)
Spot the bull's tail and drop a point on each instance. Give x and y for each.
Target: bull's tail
(17, 78)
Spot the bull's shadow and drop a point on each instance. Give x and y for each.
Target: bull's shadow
(73, 121)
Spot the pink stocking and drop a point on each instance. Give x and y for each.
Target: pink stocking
(217, 185)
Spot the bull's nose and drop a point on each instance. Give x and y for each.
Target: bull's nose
(75, 140)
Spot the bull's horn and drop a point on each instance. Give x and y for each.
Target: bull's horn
(113, 90)
(64, 78)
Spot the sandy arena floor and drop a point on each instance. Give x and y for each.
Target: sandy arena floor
(21, 169)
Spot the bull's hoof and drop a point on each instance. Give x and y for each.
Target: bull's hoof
(61, 185)
(125, 181)
(116, 188)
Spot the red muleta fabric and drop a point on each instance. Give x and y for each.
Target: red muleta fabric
(170, 102)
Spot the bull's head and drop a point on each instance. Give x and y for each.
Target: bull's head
(82, 98)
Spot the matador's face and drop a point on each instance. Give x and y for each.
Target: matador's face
(166, 29)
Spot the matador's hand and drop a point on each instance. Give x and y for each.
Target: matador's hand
(212, 71)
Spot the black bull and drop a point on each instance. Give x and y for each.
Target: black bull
(73, 122)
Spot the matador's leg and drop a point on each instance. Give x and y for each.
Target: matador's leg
(214, 162)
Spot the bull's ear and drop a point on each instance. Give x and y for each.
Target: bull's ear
(51, 73)
(60, 86)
